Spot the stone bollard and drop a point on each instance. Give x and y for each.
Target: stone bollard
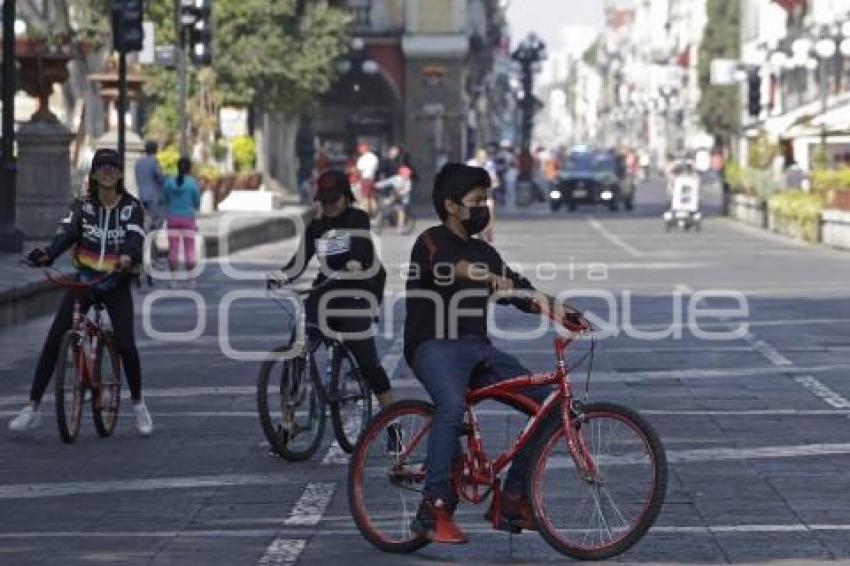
(44, 177)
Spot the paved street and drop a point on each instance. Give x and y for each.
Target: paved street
(756, 427)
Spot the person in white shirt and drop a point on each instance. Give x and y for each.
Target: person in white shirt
(367, 169)
(401, 186)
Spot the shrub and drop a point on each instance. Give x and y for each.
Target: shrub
(802, 209)
(168, 159)
(244, 153)
(825, 180)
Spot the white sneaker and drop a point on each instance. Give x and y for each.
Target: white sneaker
(27, 419)
(143, 418)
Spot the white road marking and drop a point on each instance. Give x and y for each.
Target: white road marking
(768, 351)
(684, 374)
(311, 506)
(613, 238)
(812, 384)
(307, 512)
(481, 530)
(282, 551)
(61, 489)
(818, 389)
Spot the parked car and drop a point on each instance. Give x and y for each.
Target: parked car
(592, 177)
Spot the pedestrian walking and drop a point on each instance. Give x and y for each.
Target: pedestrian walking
(367, 170)
(150, 180)
(182, 200)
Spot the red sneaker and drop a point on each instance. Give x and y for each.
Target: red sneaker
(516, 514)
(434, 521)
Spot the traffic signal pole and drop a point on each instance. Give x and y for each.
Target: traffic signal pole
(122, 107)
(11, 239)
(183, 89)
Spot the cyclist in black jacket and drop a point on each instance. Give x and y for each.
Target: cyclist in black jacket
(105, 228)
(341, 240)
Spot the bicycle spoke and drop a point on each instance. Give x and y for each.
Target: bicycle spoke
(590, 515)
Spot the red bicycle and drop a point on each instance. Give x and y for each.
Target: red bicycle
(87, 361)
(598, 477)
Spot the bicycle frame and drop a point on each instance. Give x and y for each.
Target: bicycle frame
(83, 327)
(479, 471)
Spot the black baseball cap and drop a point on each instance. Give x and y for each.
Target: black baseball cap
(105, 156)
(332, 185)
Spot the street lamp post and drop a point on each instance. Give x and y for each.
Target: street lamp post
(11, 239)
(529, 54)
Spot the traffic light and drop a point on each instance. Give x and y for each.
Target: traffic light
(754, 93)
(127, 32)
(196, 28)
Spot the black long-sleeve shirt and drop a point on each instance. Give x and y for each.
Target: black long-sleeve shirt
(335, 242)
(441, 305)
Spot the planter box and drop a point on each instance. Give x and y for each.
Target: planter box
(808, 231)
(836, 228)
(749, 210)
(250, 201)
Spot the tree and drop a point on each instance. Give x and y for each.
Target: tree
(721, 39)
(278, 56)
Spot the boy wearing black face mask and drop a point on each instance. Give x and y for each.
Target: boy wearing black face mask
(451, 280)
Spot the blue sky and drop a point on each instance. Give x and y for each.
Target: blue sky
(548, 17)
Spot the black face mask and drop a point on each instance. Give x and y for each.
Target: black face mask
(479, 218)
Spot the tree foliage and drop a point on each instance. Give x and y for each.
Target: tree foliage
(278, 54)
(721, 39)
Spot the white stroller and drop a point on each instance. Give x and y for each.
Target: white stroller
(684, 204)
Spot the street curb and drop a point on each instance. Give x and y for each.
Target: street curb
(274, 227)
(38, 298)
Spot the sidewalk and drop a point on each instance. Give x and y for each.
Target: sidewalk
(25, 294)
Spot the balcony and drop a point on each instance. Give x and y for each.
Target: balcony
(377, 17)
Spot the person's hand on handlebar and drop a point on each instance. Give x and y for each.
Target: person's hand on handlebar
(37, 258)
(353, 265)
(571, 318)
(124, 263)
(276, 280)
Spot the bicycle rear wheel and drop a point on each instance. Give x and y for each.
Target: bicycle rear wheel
(596, 518)
(387, 473)
(106, 398)
(350, 399)
(68, 386)
(291, 409)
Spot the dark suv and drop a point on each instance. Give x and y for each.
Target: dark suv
(591, 177)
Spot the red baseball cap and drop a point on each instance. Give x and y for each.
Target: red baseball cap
(331, 185)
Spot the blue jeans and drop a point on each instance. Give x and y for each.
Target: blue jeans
(447, 369)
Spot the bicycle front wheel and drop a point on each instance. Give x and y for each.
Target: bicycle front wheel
(350, 400)
(593, 518)
(68, 385)
(387, 474)
(106, 397)
(291, 409)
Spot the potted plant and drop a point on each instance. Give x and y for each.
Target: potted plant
(43, 63)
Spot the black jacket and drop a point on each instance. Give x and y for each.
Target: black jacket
(100, 235)
(335, 241)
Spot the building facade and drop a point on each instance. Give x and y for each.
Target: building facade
(421, 75)
(799, 49)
